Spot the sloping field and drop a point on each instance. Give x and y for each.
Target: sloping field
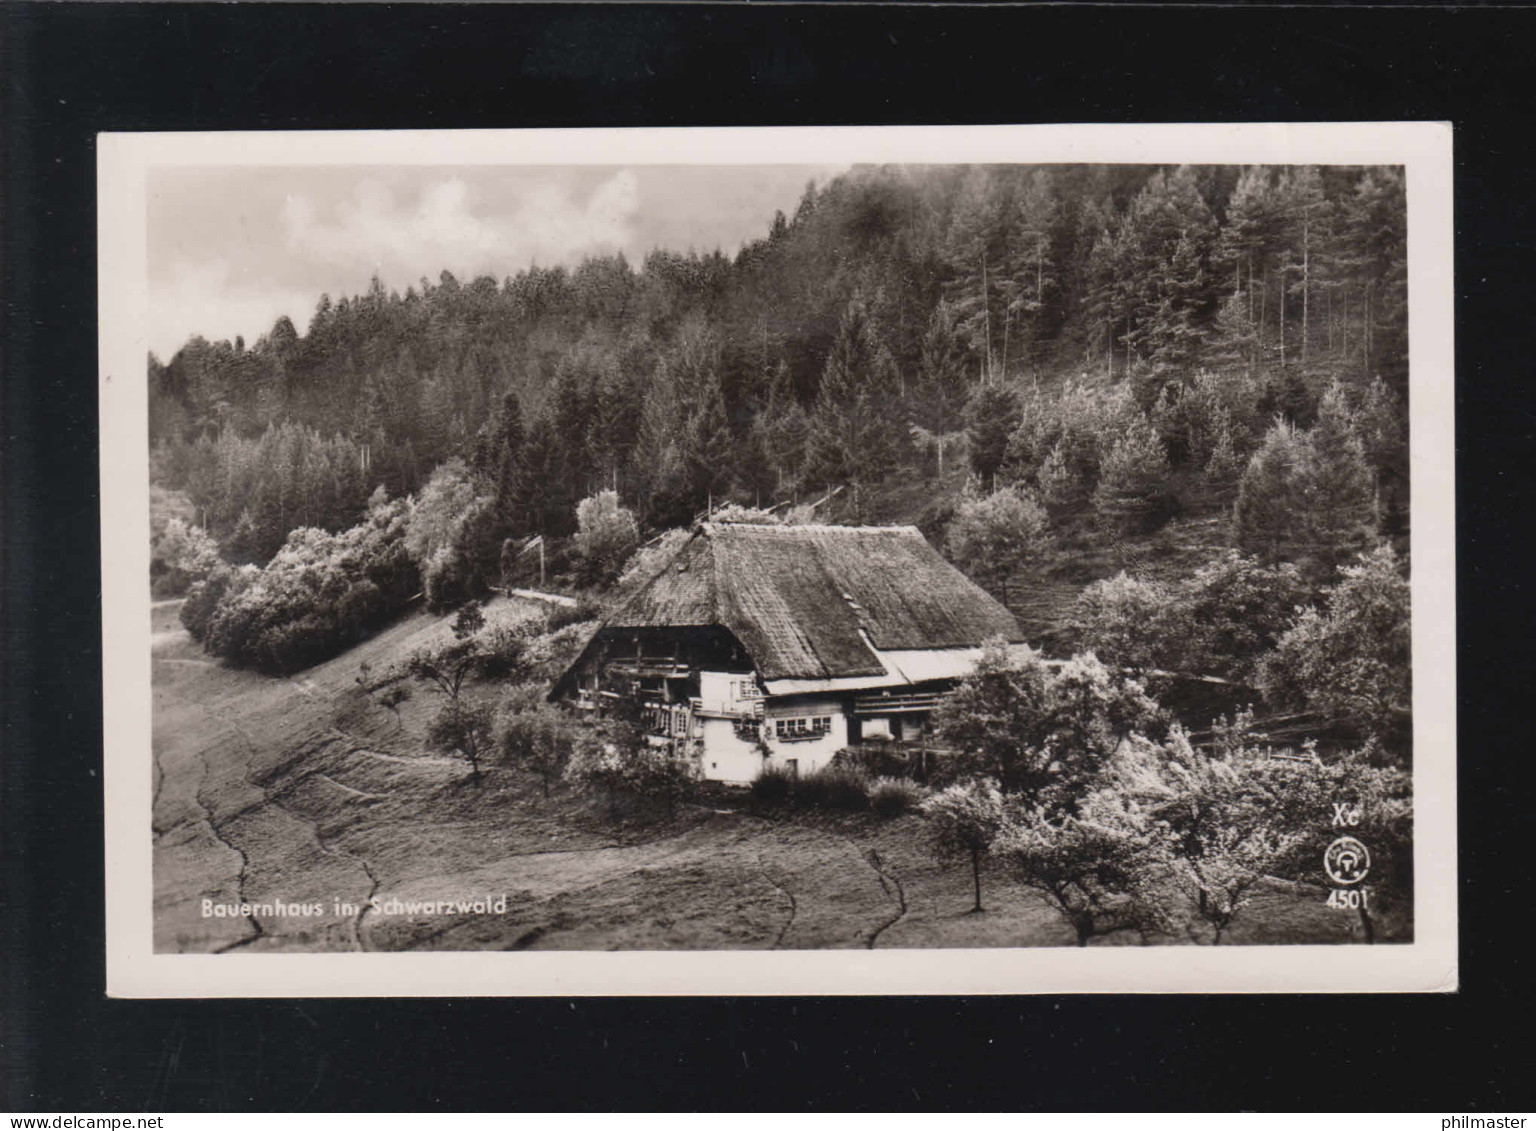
(307, 794)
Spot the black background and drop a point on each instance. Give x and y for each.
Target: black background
(72, 70)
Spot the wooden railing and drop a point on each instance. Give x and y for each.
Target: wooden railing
(878, 704)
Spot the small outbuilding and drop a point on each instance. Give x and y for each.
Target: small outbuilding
(764, 644)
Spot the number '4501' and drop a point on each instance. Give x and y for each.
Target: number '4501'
(1342, 900)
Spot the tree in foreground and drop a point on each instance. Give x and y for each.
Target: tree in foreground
(1225, 832)
(459, 726)
(464, 728)
(995, 536)
(598, 762)
(606, 535)
(1042, 731)
(1353, 659)
(534, 735)
(1098, 868)
(965, 819)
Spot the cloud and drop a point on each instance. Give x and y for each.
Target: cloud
(204, 298)
(447, 226)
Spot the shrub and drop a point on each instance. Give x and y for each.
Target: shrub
(599, 761)
(965, 819)
(1353, 659)
(834, 787)
(180, 557)
(773, 785)
(993, 537)
(1040, 731)
(891, 797)
(535, 735)
(585, 609)
(319, 595)
(204, 599)
(1217, 622)
(876, 759)
(607, 534)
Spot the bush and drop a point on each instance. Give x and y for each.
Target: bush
(834, 787)
(993, 537)
(1353, 659)
(876, 759)
(773, 785)
(535, 736)
(180, 557)
(204, 599)
(891, 797)
(320, 594)
(607, 534)
(585, 609)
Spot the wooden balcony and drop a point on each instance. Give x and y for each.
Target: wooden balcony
(882, 703)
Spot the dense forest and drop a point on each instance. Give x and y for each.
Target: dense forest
(843, 346)
(1024, 360)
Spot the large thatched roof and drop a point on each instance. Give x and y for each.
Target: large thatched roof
(807, 602)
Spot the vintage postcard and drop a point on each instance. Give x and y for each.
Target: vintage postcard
(779, 561)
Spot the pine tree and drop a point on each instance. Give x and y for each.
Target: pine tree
(1224, 467)
(854, 435)
(777, 438)
(991, 417)
(1249, 241)
(938, 405)
(1132, 493)
(1233, 346)
(1028, 279)
(974, 252)
(710, 451)
(1277, 479)
(1342, 519)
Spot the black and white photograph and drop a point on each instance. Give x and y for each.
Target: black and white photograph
(1009, 547)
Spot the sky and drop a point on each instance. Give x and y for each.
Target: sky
(231, 249)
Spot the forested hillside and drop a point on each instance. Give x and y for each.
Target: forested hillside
(1159, 412)
(1039, 365)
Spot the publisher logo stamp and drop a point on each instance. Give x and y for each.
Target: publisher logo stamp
(1347, 861)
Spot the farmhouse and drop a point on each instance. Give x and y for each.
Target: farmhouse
(781, 645)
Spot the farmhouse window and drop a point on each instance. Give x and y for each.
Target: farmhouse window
(802, 729)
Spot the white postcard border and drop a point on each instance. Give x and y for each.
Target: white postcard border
(134, 970)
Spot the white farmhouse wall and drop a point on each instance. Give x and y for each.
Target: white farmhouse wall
(729, 758)
(812, 754)
(726, 757)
